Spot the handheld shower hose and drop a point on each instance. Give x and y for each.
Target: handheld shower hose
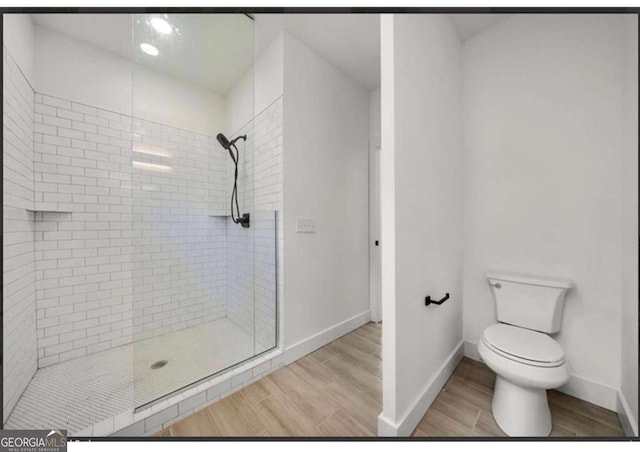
(243, 220)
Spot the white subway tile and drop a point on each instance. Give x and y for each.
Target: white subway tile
(56, 102)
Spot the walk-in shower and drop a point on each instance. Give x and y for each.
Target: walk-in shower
(138, 283)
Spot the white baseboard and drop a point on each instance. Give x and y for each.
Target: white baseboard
(410, 420)
(386, 427)
(627, 420)
(306, 346)
(591, 391)
(471, 351)
(579, 387)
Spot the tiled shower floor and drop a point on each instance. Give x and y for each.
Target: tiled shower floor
(84, 391)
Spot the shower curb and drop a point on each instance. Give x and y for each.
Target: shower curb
(166, 412)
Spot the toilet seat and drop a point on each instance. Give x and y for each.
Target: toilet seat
(524, 346)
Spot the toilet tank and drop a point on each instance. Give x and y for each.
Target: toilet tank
(527, 301)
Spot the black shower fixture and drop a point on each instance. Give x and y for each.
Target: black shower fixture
(225, 143)
(242, 220)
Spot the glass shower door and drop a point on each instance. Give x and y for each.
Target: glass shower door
(193, 267)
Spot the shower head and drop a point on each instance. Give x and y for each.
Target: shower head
(225, 143)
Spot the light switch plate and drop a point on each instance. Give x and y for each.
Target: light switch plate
(305, 225)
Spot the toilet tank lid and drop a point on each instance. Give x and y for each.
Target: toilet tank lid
(531, 279)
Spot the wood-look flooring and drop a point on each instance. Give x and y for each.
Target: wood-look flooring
(334, 391)
(463, 408)
(337, 391)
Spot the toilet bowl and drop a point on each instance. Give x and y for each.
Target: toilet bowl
(526, 363)
(518, 349)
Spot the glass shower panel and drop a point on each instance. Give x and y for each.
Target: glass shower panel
(194, 268)
(252, 252)
(265, 280)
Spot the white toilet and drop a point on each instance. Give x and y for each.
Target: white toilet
(525, 359)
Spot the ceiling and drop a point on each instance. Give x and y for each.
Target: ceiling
(468, 25)
(351, 42)
(110, 32)
(227, 40)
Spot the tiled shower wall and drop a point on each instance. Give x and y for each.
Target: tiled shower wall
(240, 263)
(83, 229)
(130, 251)
(179, 245)
(252, 252)
(268, 199)
(126, 244)
(18, 291)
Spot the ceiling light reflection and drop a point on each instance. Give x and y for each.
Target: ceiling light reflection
(149, 49)
(151, 166)
(161, 25)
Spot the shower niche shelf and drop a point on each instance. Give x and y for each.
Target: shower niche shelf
(49, 211)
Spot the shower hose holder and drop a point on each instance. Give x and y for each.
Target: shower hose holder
(244, 220)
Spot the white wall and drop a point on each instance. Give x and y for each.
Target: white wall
(259, 87)
(240, 103)
(422, 196)
(73, 70)
(325, 177)
(82, 73)
(161, 98)
(374, 117)
(388, 222)
(542, 117)
(269, 72)
(629, 235)
(18, 36)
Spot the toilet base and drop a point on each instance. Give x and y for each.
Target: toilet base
(520, 411)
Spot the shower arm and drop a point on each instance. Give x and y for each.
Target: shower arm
(241, 137)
